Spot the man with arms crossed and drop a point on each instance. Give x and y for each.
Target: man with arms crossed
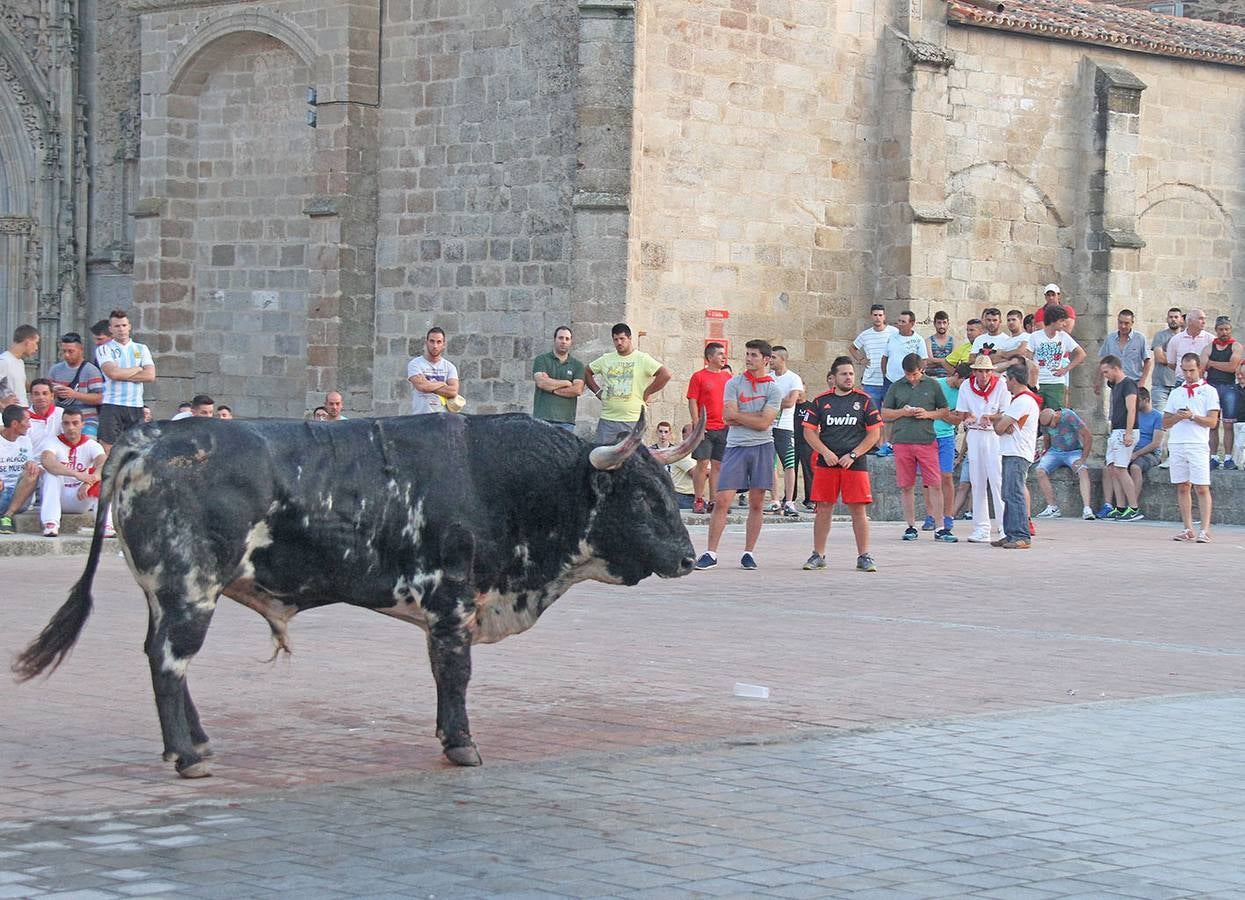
(127, 366)
(1056, 354)
(559, 382)
(841, 426)
(704, 392)
(750, 406)
(433, 378)
(1122, 439)
(1192, 411)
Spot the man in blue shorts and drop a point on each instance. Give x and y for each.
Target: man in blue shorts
(750, 404)
(1068, 442)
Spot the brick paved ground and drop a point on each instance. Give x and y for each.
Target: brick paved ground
(618, 760)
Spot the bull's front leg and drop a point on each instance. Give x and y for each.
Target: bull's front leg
(449, 651)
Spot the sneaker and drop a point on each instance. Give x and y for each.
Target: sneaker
(6, 525)
(1203, 537)
(1214, 463)
(1032, 529)
(910, 533)
(1165, 464)
(709, 506)
(1229, 464)
(699, 506)
(979, 536)
(1053, 512)
(707, 561)
(774, 508)
(815, 563)
(789, 510)
(1130, 515)
(747, 561)
(742, 502)
(865, 563)
(109, 531)
(967, 516)
(886, 450)
(945, 536)
(1105, 511)
(1185, 536)
(1087, 514)
(1115, 515)
(1016, 545)
(948, 522)
(51, 529)
(998, 542)
(810, 505)
(928, 524)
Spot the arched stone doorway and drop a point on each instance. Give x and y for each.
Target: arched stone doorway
(16, 176)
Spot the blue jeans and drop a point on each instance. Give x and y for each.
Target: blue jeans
(1015, 516)
(877, 392)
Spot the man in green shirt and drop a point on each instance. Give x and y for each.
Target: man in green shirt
(913, 404)
(559, 382)
(624, 380)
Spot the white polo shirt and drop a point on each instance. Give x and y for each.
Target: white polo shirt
(1201, 400)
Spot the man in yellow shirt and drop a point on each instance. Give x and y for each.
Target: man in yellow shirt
(623, 380)
(964, 352)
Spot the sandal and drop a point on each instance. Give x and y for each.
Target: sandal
(1203, 537)
(1184, 536)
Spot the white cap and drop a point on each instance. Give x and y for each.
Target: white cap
(1051, 287)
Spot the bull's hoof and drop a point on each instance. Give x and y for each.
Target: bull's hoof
(463, 756)
(204, 749)
(197, 769)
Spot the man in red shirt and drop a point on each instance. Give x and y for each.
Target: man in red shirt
(704, 391)
(1054, 297)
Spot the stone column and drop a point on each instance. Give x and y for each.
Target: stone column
(604, 90)
(913, 212)
(1112, 242)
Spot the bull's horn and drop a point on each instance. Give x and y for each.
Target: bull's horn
(609, 458)
(674, 454)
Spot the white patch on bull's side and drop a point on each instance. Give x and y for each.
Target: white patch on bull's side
(327, 502)
(414, 522)
(522, 555)
(497, 616)
(408, 596)
(170, 662)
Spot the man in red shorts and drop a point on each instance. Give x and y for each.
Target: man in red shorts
(912, 404)
(841, 426)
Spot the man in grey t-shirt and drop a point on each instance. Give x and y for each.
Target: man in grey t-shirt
(750, 404)
(1163, 376)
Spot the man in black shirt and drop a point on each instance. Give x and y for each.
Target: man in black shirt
(1123, 437)
(841, 426)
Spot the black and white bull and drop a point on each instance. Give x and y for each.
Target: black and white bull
(467, 526)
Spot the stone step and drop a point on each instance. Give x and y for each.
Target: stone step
(28, 523)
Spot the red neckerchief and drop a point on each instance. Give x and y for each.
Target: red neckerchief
(43, 418)
(1036, 398)
(1225, 346)
(1192, 387)
(754, 381)
(994, 381)
(82, 439)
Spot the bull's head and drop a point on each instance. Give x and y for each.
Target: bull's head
(637, 528)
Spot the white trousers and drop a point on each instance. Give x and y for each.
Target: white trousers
(56, 498)
(985, 468)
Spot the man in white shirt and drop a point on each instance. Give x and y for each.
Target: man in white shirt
(1194, 339)
(1017, 431)
(1056, 354)
(791, 385)
(13, 369)
(127, 366)
(983, 399)
(45, 415)
(867, 351)
(1002, 347)
(1192, 411)
(73, 465)
(901, 343)
(19, 471)
(433, 378)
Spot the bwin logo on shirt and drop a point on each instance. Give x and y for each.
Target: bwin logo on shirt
(841, 420)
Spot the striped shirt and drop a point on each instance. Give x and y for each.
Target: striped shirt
(126, 356)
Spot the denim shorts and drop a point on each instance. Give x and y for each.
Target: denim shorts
(1229, 400)
(6, 497)
(1056, 459)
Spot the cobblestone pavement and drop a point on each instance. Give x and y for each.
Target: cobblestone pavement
(618, 761)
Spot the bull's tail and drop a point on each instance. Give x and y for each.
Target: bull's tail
(58, 637)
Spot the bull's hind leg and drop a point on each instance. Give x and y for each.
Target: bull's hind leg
(175, 633)
(449, 651)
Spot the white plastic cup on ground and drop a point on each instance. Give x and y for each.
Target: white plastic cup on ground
(752, 691)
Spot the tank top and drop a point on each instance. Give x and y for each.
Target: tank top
(1216, 376)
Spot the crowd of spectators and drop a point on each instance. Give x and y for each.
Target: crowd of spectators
(991, 405)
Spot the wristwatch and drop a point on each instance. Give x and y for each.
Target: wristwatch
(852, 454)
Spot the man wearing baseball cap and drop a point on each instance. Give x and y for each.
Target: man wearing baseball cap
(1054, 297)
